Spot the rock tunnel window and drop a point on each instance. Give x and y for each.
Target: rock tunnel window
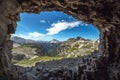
(51, 36)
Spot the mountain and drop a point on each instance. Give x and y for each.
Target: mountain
(26, 48)
(54, 41)
(27, 41)
(73, 47)
(22, 40)
(26, 51)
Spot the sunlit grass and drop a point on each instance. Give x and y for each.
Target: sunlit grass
(32, 61)
(71, 51)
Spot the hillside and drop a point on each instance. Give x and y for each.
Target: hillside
(30, 53)
(74, 47)
(24, 51)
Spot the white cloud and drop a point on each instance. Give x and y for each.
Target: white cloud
(86, 24)
(32, 35)
(54, 29)
(36, 34)
(42, 21)
(60, 26)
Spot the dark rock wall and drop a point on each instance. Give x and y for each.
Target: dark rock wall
(7, 26)
(98, 12)
(104, 14)
(110, 48)
(110, 40)
(91, 67)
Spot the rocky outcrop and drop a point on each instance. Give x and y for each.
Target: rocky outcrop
(7, 26)
(110, 48)
(81, 68)
(104, 14)
(78, 46)
(19, 57)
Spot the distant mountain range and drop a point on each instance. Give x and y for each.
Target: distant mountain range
(20, 40)
(27, 41)
(72, 47)
(54, 41)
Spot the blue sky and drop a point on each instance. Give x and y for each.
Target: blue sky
(47, 25)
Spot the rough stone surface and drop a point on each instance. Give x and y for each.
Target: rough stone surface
(81, 68)
(104, 14)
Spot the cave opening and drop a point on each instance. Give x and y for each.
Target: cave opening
(104, 14)
(52, 35)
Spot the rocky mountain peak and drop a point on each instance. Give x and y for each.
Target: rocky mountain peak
(76, 39)
(54, 41)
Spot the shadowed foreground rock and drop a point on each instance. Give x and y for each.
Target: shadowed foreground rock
(104, 14)
(82, 68)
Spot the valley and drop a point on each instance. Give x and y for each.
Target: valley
(28, 52)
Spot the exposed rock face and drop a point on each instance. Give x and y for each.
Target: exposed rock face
(67, 69)
(104, 14)
(19, 57)
(76, 47)
(7, 26)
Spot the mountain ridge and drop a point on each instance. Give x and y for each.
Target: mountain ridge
(72, 47)
(21, 40)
